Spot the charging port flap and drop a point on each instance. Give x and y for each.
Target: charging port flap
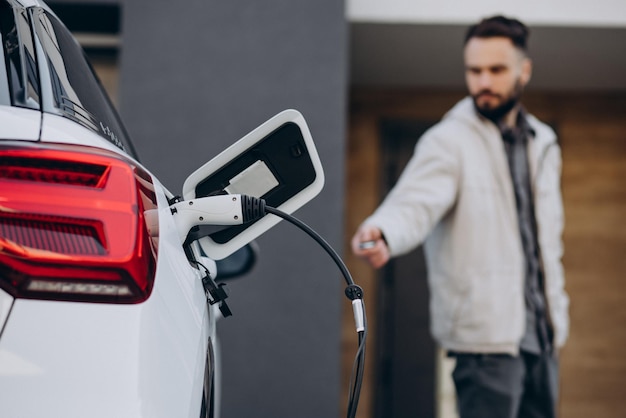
(277, 162)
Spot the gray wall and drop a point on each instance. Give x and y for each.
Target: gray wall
(195, 77)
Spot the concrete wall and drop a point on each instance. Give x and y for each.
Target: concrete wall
(195, 77)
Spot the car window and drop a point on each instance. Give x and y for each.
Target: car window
(5, 96)
(19, 60)
(77, 93)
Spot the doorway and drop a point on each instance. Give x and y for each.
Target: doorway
(406, 353)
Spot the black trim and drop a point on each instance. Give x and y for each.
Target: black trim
(90, 18)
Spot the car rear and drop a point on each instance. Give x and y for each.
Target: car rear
(101, 313)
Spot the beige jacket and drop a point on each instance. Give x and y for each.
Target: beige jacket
(456, 196)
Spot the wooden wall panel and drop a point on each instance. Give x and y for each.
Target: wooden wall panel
(363, 172)
(594, 173)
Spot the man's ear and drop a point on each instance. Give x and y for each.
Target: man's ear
(527, 71)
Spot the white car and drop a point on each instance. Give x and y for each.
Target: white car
(108, 300)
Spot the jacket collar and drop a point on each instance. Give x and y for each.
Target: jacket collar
(521, 129)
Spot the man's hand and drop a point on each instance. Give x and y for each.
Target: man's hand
(368, 243)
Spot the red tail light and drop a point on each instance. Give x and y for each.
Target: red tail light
(72, 225)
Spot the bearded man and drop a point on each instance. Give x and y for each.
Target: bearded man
(482, 192)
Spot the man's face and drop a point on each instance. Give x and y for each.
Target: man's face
(496, 73)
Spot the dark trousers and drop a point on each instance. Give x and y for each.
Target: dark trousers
(503, 386)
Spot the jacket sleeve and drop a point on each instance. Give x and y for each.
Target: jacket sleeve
(424, 193)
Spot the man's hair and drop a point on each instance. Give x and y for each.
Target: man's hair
(500, 26)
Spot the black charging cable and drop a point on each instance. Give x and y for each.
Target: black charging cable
(253, 209)
(352, 291)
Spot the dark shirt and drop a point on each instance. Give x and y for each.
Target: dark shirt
(537, 337)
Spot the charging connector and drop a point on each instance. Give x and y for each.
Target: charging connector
(227, 209)
(355, 294)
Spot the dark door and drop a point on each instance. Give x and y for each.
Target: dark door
(406, 351)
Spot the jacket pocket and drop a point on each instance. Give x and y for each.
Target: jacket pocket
(492, 310)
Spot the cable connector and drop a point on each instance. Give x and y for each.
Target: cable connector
(357, 309)
(354, 291)
(355, 294)
(229, 209)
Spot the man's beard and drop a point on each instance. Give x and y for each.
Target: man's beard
(497, 113)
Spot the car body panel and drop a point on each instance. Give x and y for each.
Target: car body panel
(19, 124)
(76, 359)
(144, 358)
(57, 129)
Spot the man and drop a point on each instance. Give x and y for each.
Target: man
(482, 191)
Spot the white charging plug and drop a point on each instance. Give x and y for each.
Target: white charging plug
(212, 210)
